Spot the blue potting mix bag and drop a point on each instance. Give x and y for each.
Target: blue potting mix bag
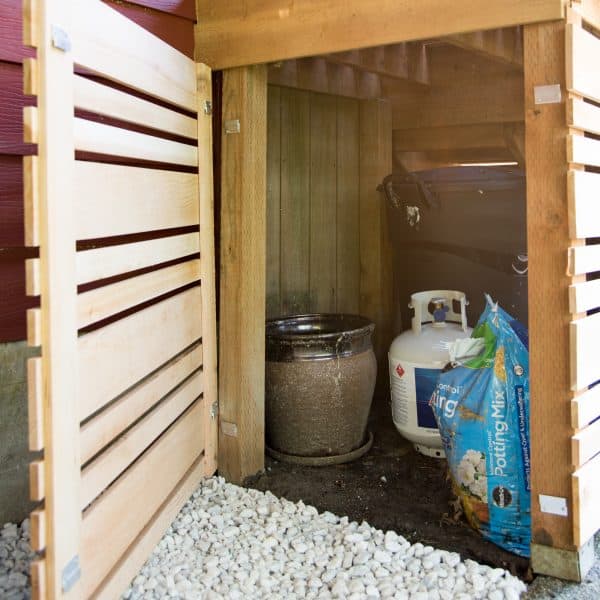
(482, 410)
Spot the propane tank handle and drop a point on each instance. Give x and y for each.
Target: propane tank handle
(420, 302)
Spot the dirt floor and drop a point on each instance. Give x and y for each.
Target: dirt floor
(391, 487)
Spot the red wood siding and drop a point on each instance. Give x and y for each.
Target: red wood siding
(171, 20)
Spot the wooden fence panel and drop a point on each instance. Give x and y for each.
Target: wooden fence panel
(123, 400)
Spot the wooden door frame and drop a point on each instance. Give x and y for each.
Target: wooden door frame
(553, 547)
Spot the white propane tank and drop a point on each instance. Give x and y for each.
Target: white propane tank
(416, 358)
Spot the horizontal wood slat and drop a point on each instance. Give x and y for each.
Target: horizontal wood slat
(590, 10)
(116, 200)
(99, 474)
(583, 151)
(584, 296)
(111, 45)
(103, 302)
(582, 50)
(585, 368)
(584, 259)
(100, 263)
(110, 102)
(108, 359)
(137, 554)
(586, 499)
(585, 408)
(35, 405)
(585, 444)
(38, 530)
(106, 139)
(583, 190)
(583, 115)
(100, 431)
(151, 479)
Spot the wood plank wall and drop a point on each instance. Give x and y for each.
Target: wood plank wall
(327, 248)
(171, 20)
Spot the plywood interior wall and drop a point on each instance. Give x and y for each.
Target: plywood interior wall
(326, 238)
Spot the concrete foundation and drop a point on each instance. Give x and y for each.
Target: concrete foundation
(14, 450)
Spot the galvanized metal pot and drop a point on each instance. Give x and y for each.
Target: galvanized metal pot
(320, 378)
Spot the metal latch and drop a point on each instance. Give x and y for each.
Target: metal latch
(208, 108)
(71, 574)
(214, 409)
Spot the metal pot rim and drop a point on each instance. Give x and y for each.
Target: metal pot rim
(347, 325)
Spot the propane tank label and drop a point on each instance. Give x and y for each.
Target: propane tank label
(412, 387)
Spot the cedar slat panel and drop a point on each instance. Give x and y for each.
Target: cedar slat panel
(583, 192)
(106, 139)
(111, 102)
(583, 151)
(585, 408)
(133, 57)
(586, 499)
(584, 296)
(585, 334)
(117, 200)
(101, 303)
(101, 263)
(151, 480)
(586, 444)
(176, 31)
(104, 469)
(583, 115)
(582, 50)
(100, 431)
(109, 358)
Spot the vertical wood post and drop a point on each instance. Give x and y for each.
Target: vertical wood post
(54, 167)
(243, 267)
(553, 550)
(375, 253)
(207, 262)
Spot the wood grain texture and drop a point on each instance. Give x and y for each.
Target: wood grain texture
(206, 209)
(111, 102)
(323, 191)
(243, 262)
(586, 498)
(58, 291)
(174, 29)
(104, 469)
(107, 359)
(547, 243)
(295, 203)
(11, 28)
(110, 423)
(260, 31)
(133, 56)
(274, 202)
(375, 164)
(117, 200)
(347, 207)
(101, 263)
(152, 478)
(12, 101)
(126, 568)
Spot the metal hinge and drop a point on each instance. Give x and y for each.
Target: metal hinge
(214, 409)
(208, 108)
(71, 574)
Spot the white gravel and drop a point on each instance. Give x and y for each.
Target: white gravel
(15, 557)
(233, 543)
